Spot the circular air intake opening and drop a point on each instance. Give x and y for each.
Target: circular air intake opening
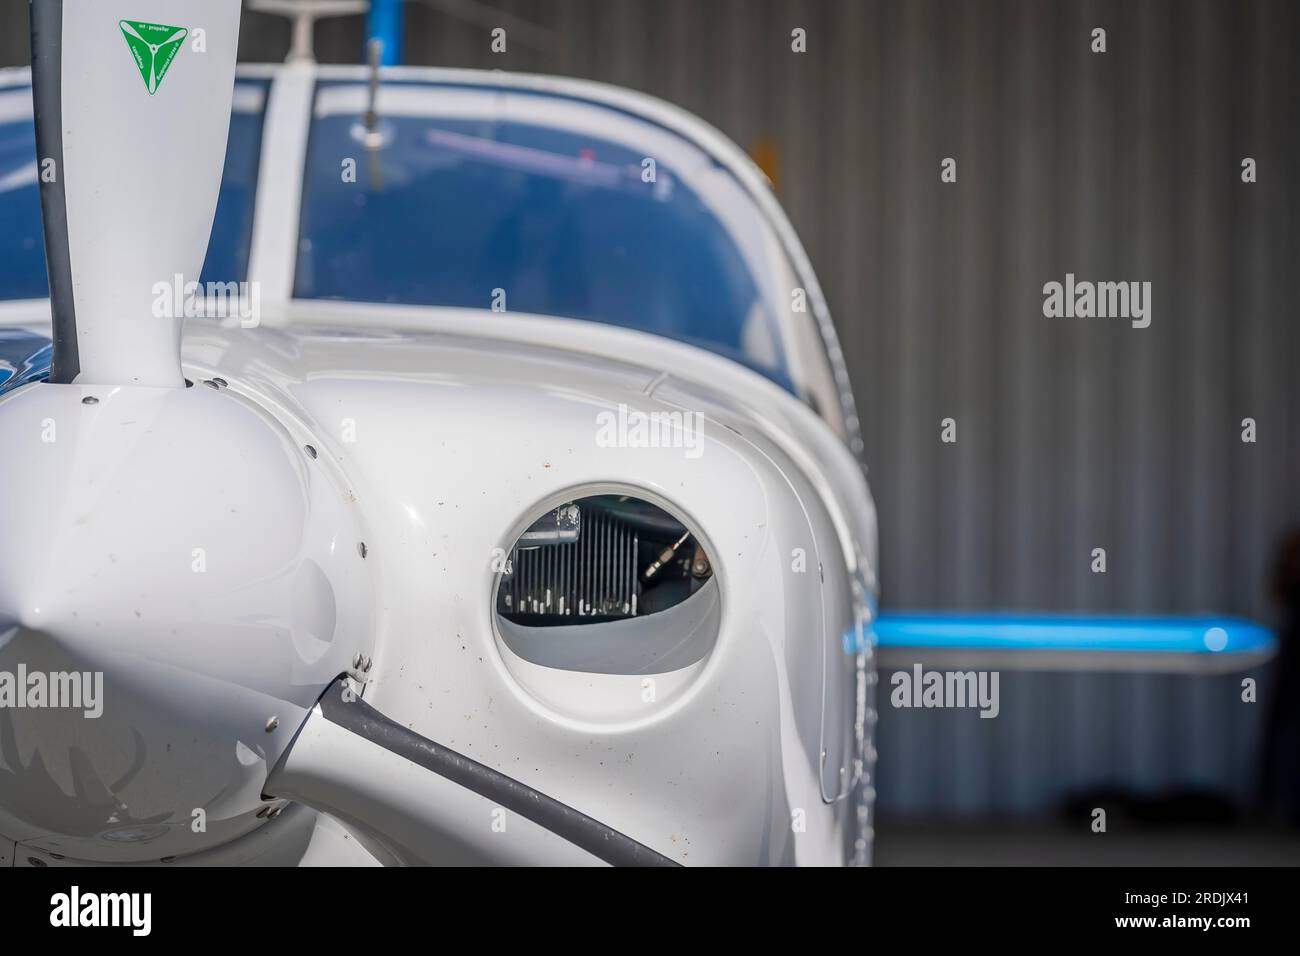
(607, 609)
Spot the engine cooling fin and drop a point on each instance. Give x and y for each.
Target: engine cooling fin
(602, 558)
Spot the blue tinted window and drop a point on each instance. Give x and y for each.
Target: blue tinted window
(232, 227)
(22, 239)
(22, 242)
(447, 210)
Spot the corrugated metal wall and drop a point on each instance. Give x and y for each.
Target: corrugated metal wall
(1073, 434)
(1060, 735)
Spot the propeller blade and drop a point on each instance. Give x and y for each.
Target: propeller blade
(130, 31)
(426, 803)
(132, 104)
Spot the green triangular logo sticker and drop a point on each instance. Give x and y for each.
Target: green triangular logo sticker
(154, 46)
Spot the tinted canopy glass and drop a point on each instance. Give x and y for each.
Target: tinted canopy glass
(22, 236)
(534, 204)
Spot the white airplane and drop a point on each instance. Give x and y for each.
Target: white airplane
(500, 500)
(515, 513)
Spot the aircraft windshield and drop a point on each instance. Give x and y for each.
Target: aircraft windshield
(465, 202)
(22, 237)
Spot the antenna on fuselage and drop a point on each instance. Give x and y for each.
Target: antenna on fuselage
(374, 56)
(371, 134)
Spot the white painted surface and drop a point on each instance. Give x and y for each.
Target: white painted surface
(141, 173)
(182, 544)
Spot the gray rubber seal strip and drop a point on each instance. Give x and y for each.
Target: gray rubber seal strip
(47, 103)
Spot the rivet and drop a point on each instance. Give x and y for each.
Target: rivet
(362, 549)
(211, 383)
(272, 724)
(36, 861)
(168, 859)
(311, 452)
(90, 400)
(221, 382)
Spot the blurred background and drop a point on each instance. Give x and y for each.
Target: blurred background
(1073, 434)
